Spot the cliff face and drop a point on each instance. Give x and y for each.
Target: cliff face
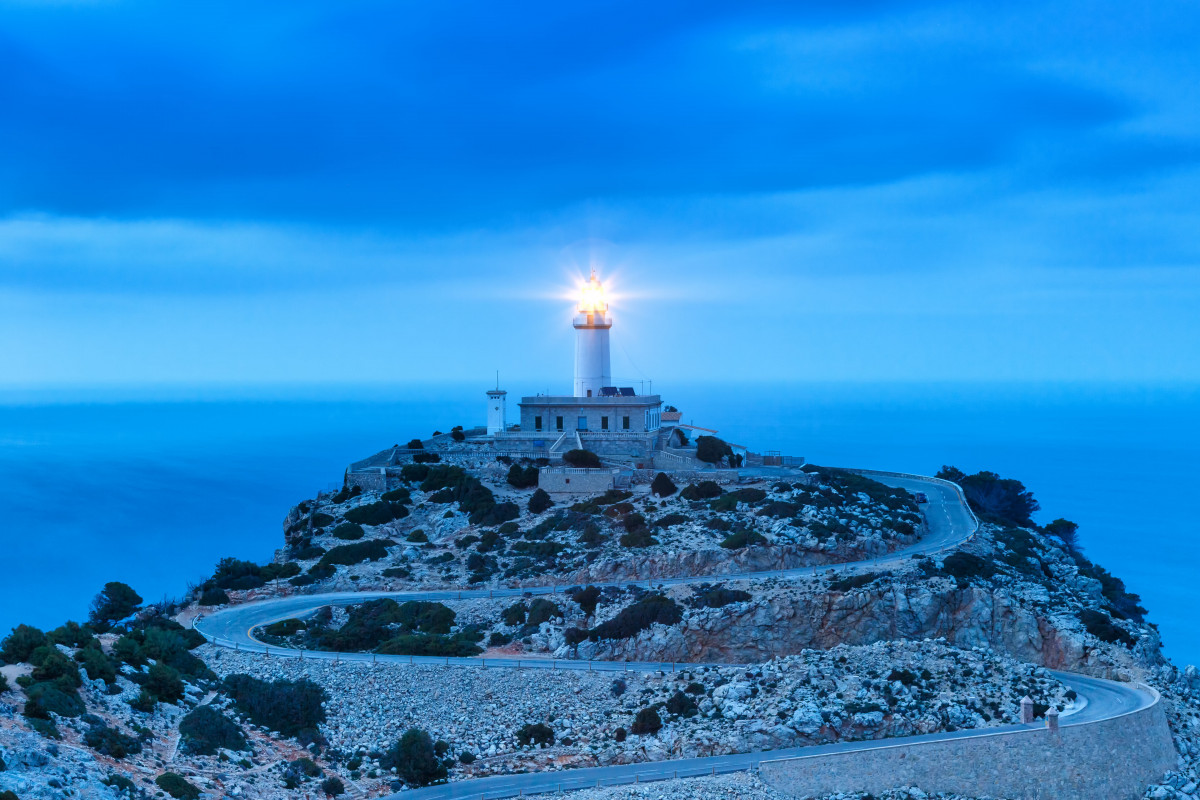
(784, 622)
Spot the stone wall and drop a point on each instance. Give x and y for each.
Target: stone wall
(576, 481)
(1112, 759)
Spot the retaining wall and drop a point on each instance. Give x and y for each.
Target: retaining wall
(1112, 759)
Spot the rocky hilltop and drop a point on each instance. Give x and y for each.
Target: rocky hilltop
(136, 703)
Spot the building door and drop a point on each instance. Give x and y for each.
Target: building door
(582, 424)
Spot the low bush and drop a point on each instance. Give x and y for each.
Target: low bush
(537, 733)
(71, 634)
(964, 566)
(586, 597)
(700, 491)
(300, 771)
(414, 473)
(333, 786)
(400, 494)
(637, 617)
(377, 513)
(663, 486)
(712, 450)
(750, 494)
(164, 683)
(646, 722)
(849, 582)
(583, 459)
(205, 730)
(177, 786)
(496, 514)
(44, 699)
(1101, 626)
(539, 502)
(415, 444)
(109, 741)
(414, 759)
(96, 664)
(345, 494)
(430, 644)
(426, 458)
(21, 643)
(639, 537)
(542, 610)
(272, 572)
(356, 552)
(719, 597)
(522, 477)
(350, 531)
(682, 705)
(418, 536)
(232, 573)
(293, 708)
(213, 597)
(743, 538)
(669, 520)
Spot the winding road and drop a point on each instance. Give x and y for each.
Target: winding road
(949, 523)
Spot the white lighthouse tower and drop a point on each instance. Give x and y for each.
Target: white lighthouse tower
(592, 323)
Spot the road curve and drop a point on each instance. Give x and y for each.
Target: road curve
(949, 523)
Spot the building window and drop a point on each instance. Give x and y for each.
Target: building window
(583, 423)
(589, 392)
(559, 421)
(537, 423)
(604, 423)
(625, 423)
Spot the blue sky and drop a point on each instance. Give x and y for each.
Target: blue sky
(354, 192)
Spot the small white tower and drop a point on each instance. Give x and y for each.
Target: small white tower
(592, 323)
(497, 400)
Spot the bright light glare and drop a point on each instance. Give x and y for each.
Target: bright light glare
(591, 296)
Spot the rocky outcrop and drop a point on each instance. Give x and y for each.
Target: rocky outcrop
(789, 619)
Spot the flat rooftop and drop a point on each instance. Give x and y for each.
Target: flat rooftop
(601, 400)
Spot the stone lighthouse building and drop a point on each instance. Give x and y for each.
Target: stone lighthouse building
(614, 421)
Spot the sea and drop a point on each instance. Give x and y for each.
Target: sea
(153, 486)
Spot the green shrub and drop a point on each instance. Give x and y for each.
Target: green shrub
(21, 643)
(497, 639)
(1002, 500)
(110, 742)
(293, 708)
(426, 458)
(712, 450)
(414, 759)
(850, 582)
(466, 757)
(637, 617)
(115, 602)
(175, 785)
(123, 785)
(726, 502)
(345, 494)
(271, 572)
(582, 459)
(646, 722)
(663, 486)
(457, 435)
(96, 664)
(419, 536)
(429, 644)
(750, 495)
(638, 538)
(514, 614)
(232, 573)
(396, 572)
(285, 627)
(496, 514)
(778, 509)
(49, 664)
(415, 444)
(700, 491)
(44, 699)
(164, 683)
(308, 552)
(332, 786)
(400, 494)
(414, 473)
(71, 634)
(542, 610)
(214, 597)
(522, 477)
(205, 730)
(377, 513)
(537, 733)
(719, 597)
(3, 689)
(349, 531)
(743, 538)
(586, 598)
(682, 705)
(299, 771)
(1101, 626)
(669, 520)
(539, 502)
(964, 566)
(356, 552)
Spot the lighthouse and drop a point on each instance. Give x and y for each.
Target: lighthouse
(592, 324)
